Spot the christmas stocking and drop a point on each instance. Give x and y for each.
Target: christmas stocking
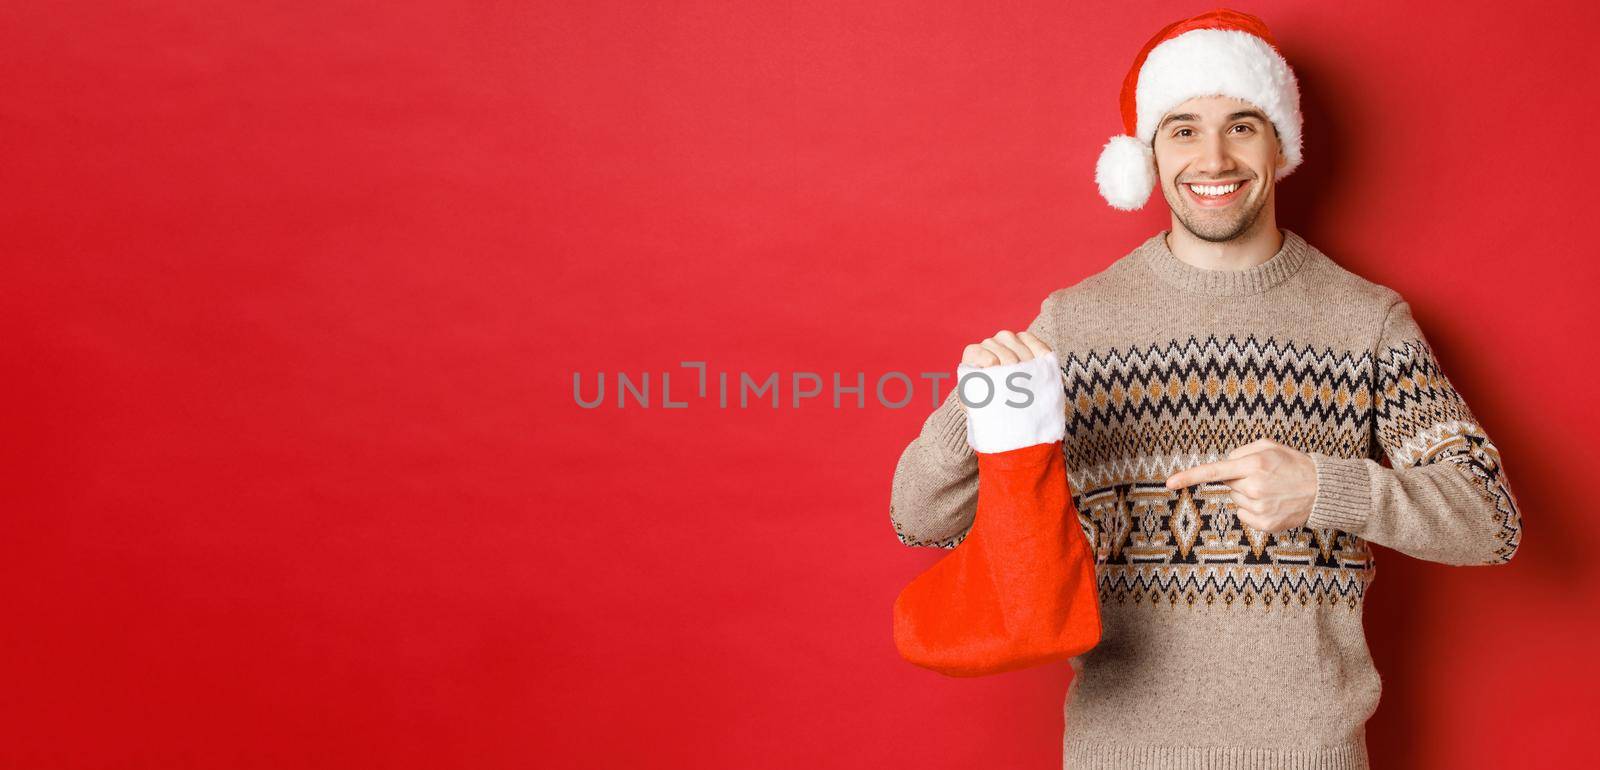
(1020, 588)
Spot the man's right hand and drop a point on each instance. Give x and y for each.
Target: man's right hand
(1003, 348)
(1016, 397)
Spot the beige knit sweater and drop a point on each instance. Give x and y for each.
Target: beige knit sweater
(1223, 645)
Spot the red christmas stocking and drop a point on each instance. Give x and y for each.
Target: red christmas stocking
(1019, 590)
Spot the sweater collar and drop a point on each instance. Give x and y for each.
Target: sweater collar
(1220, 283)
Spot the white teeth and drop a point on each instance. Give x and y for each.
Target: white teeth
(1213, 190)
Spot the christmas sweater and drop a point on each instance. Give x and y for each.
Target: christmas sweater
(1222, 644)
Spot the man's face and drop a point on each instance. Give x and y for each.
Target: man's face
(1217, 142)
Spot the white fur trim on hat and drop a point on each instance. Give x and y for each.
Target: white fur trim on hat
(1206, 62)
(1125, 173)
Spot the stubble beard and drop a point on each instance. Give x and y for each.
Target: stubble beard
(1215, 227)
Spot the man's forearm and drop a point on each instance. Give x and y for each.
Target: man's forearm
(1445, 497)
(935, 494)
(1452, 511)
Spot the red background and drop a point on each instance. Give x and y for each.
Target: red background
(294, 297)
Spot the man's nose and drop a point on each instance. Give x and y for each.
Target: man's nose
(1214, 157)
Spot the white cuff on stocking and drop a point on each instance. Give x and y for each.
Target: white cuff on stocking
(1012, 406)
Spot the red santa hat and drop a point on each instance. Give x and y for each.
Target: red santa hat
(1220, 52)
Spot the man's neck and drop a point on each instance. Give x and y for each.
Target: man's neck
(1251, 248)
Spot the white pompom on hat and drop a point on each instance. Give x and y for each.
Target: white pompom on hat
(1218, 53)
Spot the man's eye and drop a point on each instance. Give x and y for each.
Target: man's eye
(1244, 126)
(1179, 132)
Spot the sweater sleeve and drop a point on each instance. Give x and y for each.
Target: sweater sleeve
(934, 496)
(1444, 496)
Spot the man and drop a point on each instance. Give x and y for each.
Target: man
(1229, 391)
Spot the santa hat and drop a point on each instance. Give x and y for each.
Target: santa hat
(1221, 52)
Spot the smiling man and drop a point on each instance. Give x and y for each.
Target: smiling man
(1216, 157)
(1243, 418)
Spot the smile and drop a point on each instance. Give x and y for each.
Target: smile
(1216, 195)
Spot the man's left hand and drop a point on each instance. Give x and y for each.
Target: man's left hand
(1272, 485)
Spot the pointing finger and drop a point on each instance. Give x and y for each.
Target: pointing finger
(1221, 470)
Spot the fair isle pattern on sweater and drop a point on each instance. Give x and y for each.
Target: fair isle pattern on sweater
(1141, 414)
(1185, 398)
(1421, 420)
